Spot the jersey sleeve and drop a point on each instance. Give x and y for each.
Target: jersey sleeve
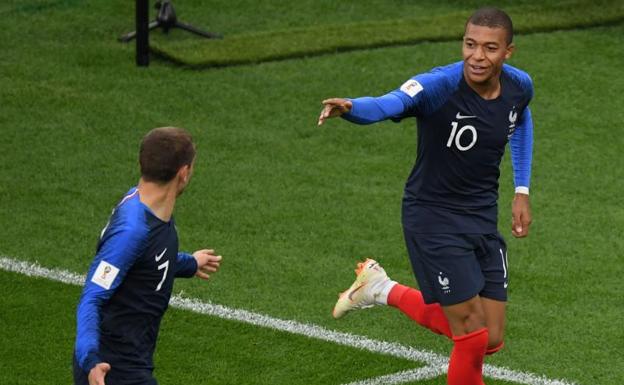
(521, 145)
(420, 95)
(367, 110)
(118, 250)
(186, 265)
(425, 93)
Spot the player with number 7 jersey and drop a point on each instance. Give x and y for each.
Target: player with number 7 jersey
(130, 280)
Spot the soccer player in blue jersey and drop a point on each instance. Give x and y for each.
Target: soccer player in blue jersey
(466, 113)
(129, 283)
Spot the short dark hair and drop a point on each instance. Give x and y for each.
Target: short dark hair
(163, 152)
(493, 18)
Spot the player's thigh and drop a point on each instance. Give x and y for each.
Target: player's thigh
(445, 266)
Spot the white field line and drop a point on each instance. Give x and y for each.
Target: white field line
(423, 373)
(436, 363)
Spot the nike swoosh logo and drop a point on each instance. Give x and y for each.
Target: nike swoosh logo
(460, 116)
(505, 285)
(159, 256)
(353, 292)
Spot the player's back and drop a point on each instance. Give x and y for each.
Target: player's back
(144, 249)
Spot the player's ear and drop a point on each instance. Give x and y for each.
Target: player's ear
(509, 50)
(184, 174)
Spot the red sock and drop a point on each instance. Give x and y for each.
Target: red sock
(410, 301)
(466, 364)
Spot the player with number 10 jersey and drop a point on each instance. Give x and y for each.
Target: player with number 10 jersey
(466, 113)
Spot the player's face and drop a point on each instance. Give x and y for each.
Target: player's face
(484, 50)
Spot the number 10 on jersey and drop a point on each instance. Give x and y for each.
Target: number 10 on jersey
(455, 137)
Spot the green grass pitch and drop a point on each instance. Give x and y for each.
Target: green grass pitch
(289, 205)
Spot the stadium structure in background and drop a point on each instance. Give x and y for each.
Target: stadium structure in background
(166, 19)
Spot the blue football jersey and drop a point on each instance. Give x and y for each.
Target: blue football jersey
(453, 186)
(128, 287)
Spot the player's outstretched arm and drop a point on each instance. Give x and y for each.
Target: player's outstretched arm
(334, 107)
(521, 215)
(207, 262)
(364, 110)
(97, 374)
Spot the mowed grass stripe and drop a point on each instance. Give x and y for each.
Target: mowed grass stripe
(435, 361)
(260, 47)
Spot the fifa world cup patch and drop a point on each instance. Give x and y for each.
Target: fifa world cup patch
(104, 275)
(411, 88)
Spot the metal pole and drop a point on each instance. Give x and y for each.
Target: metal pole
(142, 33)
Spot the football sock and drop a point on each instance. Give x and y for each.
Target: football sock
(381, 290)
(411, 303)
(495, 349)
(466, 364)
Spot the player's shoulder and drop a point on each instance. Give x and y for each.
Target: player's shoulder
(129, 216)
(447, 76)
(130, 207)
(427, 91)
(521, 78)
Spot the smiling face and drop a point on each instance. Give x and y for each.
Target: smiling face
(484, 50)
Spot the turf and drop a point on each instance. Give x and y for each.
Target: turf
(428, 24)
(290, 205)
(191, 349)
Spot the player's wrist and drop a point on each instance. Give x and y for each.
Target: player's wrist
(347, 106)
(522, 190)
(90, 362)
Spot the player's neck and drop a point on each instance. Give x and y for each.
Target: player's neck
(160, 198)
(488, 90)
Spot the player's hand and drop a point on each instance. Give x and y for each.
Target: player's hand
(207, 262)
(334, 107)
(521, 216)
(97, 374)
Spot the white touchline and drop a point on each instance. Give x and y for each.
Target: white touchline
(436, 363)
(402, 377)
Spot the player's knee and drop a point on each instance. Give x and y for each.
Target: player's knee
(468, 323)
(474, 321)
(466, 319)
